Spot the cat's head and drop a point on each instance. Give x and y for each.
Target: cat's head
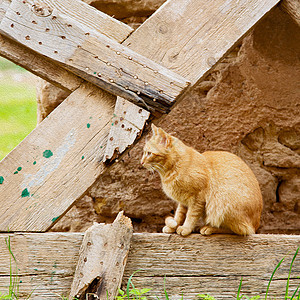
(157, 150)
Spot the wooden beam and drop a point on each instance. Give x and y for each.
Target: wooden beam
(85, 14)
(292, 7)
(47, 68)
(192, 265)
(102, 260)
(91, 55)
(57, 161)
(192, 36)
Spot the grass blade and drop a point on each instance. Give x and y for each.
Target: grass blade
(239, 290)
(278, 265)
(288, 280)
(130, 283)
(165, 290)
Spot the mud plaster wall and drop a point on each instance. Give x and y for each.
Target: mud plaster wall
(250, 106)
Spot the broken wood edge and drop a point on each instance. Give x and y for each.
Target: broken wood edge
(292, 8)
(102, 259)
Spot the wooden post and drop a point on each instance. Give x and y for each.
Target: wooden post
(102, 260)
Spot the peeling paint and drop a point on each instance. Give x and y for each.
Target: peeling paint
(25, 193)
(37, 179)
(54, 219)
(1, 179)
(47, 153)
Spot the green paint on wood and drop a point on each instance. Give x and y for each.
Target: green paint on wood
(25, 193)
(16, 172)
(21, 281)
(47, 153)
(54, 219)
(88, 125)
(35, 269)
(101, 147)
(19, 169)
(34, 162)
(82, 157)
(1, 179)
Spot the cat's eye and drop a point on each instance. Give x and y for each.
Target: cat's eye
(148, 153)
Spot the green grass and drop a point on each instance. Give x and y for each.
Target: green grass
(17, 109)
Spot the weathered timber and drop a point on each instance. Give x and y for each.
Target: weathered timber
(45, 263)
(59, 160)
(292, 7)
(190, 37)
(48, 69)
(102, 259)
(128, 123)
(91, 55)
(85, 14)
(192, 265)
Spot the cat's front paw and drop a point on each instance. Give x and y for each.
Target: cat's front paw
(184, 231)
(170, 222)
(168, 229)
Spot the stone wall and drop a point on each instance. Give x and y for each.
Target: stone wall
(249, 106)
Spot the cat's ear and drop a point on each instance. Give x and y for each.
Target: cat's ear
(165, 138)
(154, 129)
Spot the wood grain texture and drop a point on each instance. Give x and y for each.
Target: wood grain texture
(292, 7)
(190, 37)
(86, 15)
(192, 265)
(128, 123)
(102, 259)
(90, 54)
(46, 68)
(59, 160)
(45, 262)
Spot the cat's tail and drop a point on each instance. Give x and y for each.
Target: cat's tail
(242, 228)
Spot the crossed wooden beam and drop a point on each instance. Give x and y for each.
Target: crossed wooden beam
(96, 57)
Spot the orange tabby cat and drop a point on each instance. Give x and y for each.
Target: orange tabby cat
(215, 185)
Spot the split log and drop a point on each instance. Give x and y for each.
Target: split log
(102, 260)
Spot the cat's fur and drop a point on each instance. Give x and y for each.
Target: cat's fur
(215, 185)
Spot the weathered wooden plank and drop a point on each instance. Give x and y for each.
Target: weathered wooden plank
(57, 162)
(128, 123)
(190, 37)
(192, 265)
(45, 262)
(102, 259)
(91, 55)
(292, 7)
(86, 15)
(47, 69)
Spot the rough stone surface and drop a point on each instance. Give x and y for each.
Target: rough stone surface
(249, 106)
